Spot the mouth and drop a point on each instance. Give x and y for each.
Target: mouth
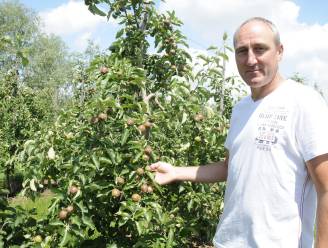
(252, 71)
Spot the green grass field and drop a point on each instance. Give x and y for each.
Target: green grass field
(2, 180)
(40, 204)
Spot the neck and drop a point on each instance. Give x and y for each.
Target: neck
(263, 91)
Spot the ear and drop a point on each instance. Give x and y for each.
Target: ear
(280, 51)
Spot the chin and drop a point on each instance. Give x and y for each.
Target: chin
(254, 83)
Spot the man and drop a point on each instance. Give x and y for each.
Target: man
(276, 166)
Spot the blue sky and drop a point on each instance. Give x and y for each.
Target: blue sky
(312, 11)
(303, 25)
(42, 5)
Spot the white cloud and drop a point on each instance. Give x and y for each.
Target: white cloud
(212, 17)
(81, 41)
(75, 24)
(306, 49)
(69, 18)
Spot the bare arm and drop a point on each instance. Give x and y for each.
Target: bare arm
(318, 169)
(166, 173)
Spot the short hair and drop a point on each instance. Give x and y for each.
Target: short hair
(263, 20)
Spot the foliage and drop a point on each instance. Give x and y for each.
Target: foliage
(18, 26)
(41, 61)
(33, 69)
(141, 23)
(212, 74)
(21, 110)
(80, 78)
(137, 108)
(39, 206)
(96, 145)
(14, 223)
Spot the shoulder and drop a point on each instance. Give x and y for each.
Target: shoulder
(244, 101)
(303, 97)
(301, 91)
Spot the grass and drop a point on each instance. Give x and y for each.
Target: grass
(2, 180)
(40, 204)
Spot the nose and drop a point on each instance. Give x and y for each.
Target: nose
(251, 58)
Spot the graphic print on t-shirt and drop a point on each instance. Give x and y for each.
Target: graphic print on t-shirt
(271, 123)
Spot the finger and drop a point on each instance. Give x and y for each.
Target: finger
(154, 166)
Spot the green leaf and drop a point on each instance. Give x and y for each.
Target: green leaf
(111, 246)
(224, 56)
(32, 185)
(170, 238)
(139, 227)
(94, 10)
(184, 117)
(212, 48)
(119, 33)
(225, 36)
(88, 221)
(229, 48)
(65, 238)
(105, 160)
(25, 61)
(158, 211)
(111, 154)
(124, 137)
(57, 223)
(190, 204)
(82, 208)
(54, 204)
(95, 161)
(184, 147)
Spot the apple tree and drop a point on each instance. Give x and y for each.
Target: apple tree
(139, 108)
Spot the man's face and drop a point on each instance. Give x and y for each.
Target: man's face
(257, 55)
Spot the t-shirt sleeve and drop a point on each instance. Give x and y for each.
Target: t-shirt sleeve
(312, 126)
(227, 142)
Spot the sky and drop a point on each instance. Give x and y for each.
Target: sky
(303, 27)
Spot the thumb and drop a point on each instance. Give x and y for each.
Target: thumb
(155, 166)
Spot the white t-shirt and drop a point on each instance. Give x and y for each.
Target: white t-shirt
(270, 200)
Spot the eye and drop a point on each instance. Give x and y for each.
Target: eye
(259, 49)
(241, 51)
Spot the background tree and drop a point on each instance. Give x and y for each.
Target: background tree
(50, 66)
(34, 68)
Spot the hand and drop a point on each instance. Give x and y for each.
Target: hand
(164, 173)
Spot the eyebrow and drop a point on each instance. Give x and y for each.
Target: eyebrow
(261, 44)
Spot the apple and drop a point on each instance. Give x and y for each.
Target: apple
(116, 193)
(140, 171)
(37, 239)
(63, 214)
(148, 150)
(102, 116)
(136, 197)
(73, 190)
(144, 188)
(104, 70)
(69, 209)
